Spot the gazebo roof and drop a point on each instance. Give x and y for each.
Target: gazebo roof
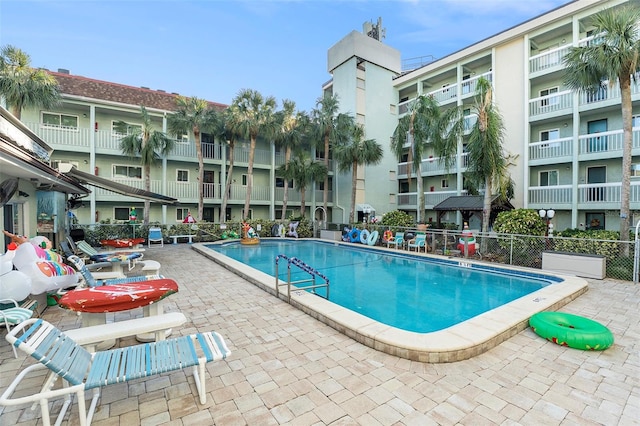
(472, 203)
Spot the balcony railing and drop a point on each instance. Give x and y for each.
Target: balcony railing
(596, 195)
(554, 102)
(470, 86)
(551, 149)
(547, 61)
(445, 94)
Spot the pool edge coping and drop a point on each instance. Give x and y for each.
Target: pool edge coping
(456, 343)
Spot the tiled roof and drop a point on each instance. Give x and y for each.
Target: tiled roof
(471, 203)
(103, 90)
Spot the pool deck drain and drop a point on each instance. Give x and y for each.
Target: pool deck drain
(456, 343)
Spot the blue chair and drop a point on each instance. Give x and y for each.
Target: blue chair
(92, 281)
(12, 314)
(80, 370)
(418, 242)
(155, 236)
(398, 240)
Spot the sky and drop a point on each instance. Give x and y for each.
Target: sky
(214, 48)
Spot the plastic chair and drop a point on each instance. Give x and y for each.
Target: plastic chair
(398, 240)
(80, 370)
(92, 279)
(155, 236)
(418, 242)
(13, 316)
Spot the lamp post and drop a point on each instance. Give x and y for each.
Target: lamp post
(367, 212)
(548, 214)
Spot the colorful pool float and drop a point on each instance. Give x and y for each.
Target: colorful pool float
(122, 243)
(571, 330)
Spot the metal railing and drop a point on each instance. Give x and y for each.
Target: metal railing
(294, 261)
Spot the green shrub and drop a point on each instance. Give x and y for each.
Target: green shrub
(520, 221)
(397, 218)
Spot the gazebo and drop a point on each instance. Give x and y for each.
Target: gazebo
(468, 205)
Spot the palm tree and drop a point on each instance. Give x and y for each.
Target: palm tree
(613, 56)
(290, 135)
(302, 171)
(193, 115)
(147, 143)
(487, 160)
(254, 116)
(224, 131)
(23, 86)
(354, 152)
(327, 129)
(426, 124)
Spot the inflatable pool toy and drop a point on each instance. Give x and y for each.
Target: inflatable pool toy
(13, 284)
(373, 238)
(189, 218)
(277, 230)
(387, 236)
(468, 238)
(293, 229)
(118, 297)
(44, 267)
(249, 237)
(364, 236)
(571, 330)
(354, 235)
(122, 243)
(229, 234)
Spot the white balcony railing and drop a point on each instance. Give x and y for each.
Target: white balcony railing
(550, 195)
(551, 149)
(445, 94)
(548, 60)
(551, 103)
(469, 87)
(589, 194)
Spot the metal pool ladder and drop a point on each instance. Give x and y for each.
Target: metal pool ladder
(304, 267)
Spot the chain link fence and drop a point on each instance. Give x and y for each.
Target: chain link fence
(527, 250)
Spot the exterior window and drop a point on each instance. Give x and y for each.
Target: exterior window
(52, 119)
(635, 170)
(131, 129)
(131, 172)
(444, 183)
(122, 213)
(635, 121)
(249, 216)
(280, 183)
(182, 138)
(466, 86)
(550, 100)
(245, 180)
(182, 175)
(549, 178)
(181, 214)
(549, 135)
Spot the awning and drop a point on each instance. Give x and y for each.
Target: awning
(119, 188)
(365, 207)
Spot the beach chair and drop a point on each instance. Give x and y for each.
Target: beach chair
(397, 241)
(130, 256)
(13, 315)
(95, 279)
(155, 236)
(418, 242)
(93, 267)
(81, 370)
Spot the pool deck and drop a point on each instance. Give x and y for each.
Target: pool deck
(289, 368)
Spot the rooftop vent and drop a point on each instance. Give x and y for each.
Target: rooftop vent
(63, 71)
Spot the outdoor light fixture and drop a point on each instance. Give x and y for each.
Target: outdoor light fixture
(548, 214)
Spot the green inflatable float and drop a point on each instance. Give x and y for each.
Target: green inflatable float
(571, 330)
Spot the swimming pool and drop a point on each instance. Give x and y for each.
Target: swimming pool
(410, 292)
(475, 325)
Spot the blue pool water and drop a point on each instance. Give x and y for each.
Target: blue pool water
(401, 290)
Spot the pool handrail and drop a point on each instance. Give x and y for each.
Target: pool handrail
(304, 267)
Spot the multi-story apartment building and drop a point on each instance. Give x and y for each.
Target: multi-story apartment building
(567, 145)
(82, 132)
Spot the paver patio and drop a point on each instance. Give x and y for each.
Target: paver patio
(287, 368)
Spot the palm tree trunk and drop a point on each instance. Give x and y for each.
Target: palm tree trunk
(227, 184)
(247, 200)
(354, 181)
(420, 187)
(325, 193)
(196, 133)
(303, 206)
(625, 188)
(285, 194)
(147, 187)
(16, 110)
(486, 212)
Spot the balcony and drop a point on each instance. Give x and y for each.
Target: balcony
(409, 200)
(556, 151)
(445, 94)
(591, 196)
(470, 86)
(549, 61)
(551, 105)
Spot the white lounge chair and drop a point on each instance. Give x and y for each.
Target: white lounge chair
(13, 315)
(80, 370)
